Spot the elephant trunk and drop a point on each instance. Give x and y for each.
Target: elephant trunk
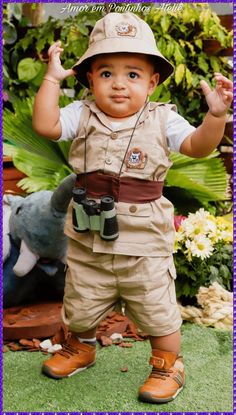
(62, 195)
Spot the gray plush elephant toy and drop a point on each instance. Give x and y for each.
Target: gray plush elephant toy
(36, 224)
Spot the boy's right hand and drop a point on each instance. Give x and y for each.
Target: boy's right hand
(55, 69)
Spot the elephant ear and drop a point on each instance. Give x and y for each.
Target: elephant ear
(62, 195)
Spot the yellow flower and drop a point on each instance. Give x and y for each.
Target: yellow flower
(225, 230)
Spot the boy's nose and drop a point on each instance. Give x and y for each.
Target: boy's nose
(118, 84)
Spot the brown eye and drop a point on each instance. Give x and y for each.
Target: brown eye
(133, 75)
(106, 74)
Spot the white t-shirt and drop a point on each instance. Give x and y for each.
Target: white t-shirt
(177, 128)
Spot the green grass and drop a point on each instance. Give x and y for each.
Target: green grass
(104, 388)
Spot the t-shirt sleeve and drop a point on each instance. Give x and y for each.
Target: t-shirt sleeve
(177, 129)
(69, 118)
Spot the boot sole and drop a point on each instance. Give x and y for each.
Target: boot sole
(147, 397)
(46, 370)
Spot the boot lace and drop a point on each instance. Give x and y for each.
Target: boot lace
(160, 374)
(68, 351)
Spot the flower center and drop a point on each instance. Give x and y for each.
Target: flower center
(197, 231)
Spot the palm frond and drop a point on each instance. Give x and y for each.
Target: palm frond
(17, 130)
(204, 178)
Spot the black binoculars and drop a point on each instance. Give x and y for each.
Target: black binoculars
(87, 215)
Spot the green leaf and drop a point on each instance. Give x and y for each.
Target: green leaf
(198, 43)
(165, 96)
(202, 63)
(5, 71)
(17, 11)
(179, 73)
(9, 150)
(37, 81)
(204, 178)
(215, 63)
(9, 33)
(28, 69)
(156, 94)
(191, 47)
(224, 271)
(189, 78)
(186, 289)
(35, 184)
(43, 161)
(213, 272)
(177, 54)
(165, 23)
(169, 50)
(82, 29)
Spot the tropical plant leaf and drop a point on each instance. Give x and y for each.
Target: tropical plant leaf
(204, 178)
(35, 184)
(42, 173)
(43, 161)
(18, 131)
(179, 159)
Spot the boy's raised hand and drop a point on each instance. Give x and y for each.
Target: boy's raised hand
(220, 99)
(55, 69)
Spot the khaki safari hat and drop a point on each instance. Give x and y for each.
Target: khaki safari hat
(122, 32)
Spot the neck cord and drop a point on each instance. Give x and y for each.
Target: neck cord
(131, 138)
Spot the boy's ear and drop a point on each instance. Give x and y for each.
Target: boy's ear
(90, 80)
(153, 83)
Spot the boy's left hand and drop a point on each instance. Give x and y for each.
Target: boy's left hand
(220, 99)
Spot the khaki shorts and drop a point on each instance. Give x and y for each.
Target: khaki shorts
(96, 283)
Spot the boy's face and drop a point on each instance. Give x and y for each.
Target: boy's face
(121, 83)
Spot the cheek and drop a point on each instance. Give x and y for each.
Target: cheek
(98, 90)
(140, 90)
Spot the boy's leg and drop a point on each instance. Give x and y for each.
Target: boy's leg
(167, 377)
(90, 294)
(169, 343)
(149, 294)
(77, 353)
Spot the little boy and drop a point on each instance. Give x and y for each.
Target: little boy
(120, 148)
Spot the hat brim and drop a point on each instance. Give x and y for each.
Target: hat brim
(105, 46)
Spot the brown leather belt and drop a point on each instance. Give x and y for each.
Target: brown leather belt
(123, 189)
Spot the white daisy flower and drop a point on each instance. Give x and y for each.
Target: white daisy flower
(200, 247)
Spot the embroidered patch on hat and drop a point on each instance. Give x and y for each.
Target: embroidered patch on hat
(136, 159)
(126, 29)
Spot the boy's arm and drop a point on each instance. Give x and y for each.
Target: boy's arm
(46, 112)
(209, 134)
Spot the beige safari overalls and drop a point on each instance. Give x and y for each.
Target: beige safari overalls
(137, 267)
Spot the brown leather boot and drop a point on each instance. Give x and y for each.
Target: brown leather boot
(166, 379)
(71, 359)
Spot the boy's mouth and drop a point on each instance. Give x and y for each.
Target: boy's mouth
(119, 98)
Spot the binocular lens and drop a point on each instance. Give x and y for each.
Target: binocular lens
(79, 194)
(107, 203)
(91, 207)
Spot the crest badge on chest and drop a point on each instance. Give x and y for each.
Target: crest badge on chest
(136, 159)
